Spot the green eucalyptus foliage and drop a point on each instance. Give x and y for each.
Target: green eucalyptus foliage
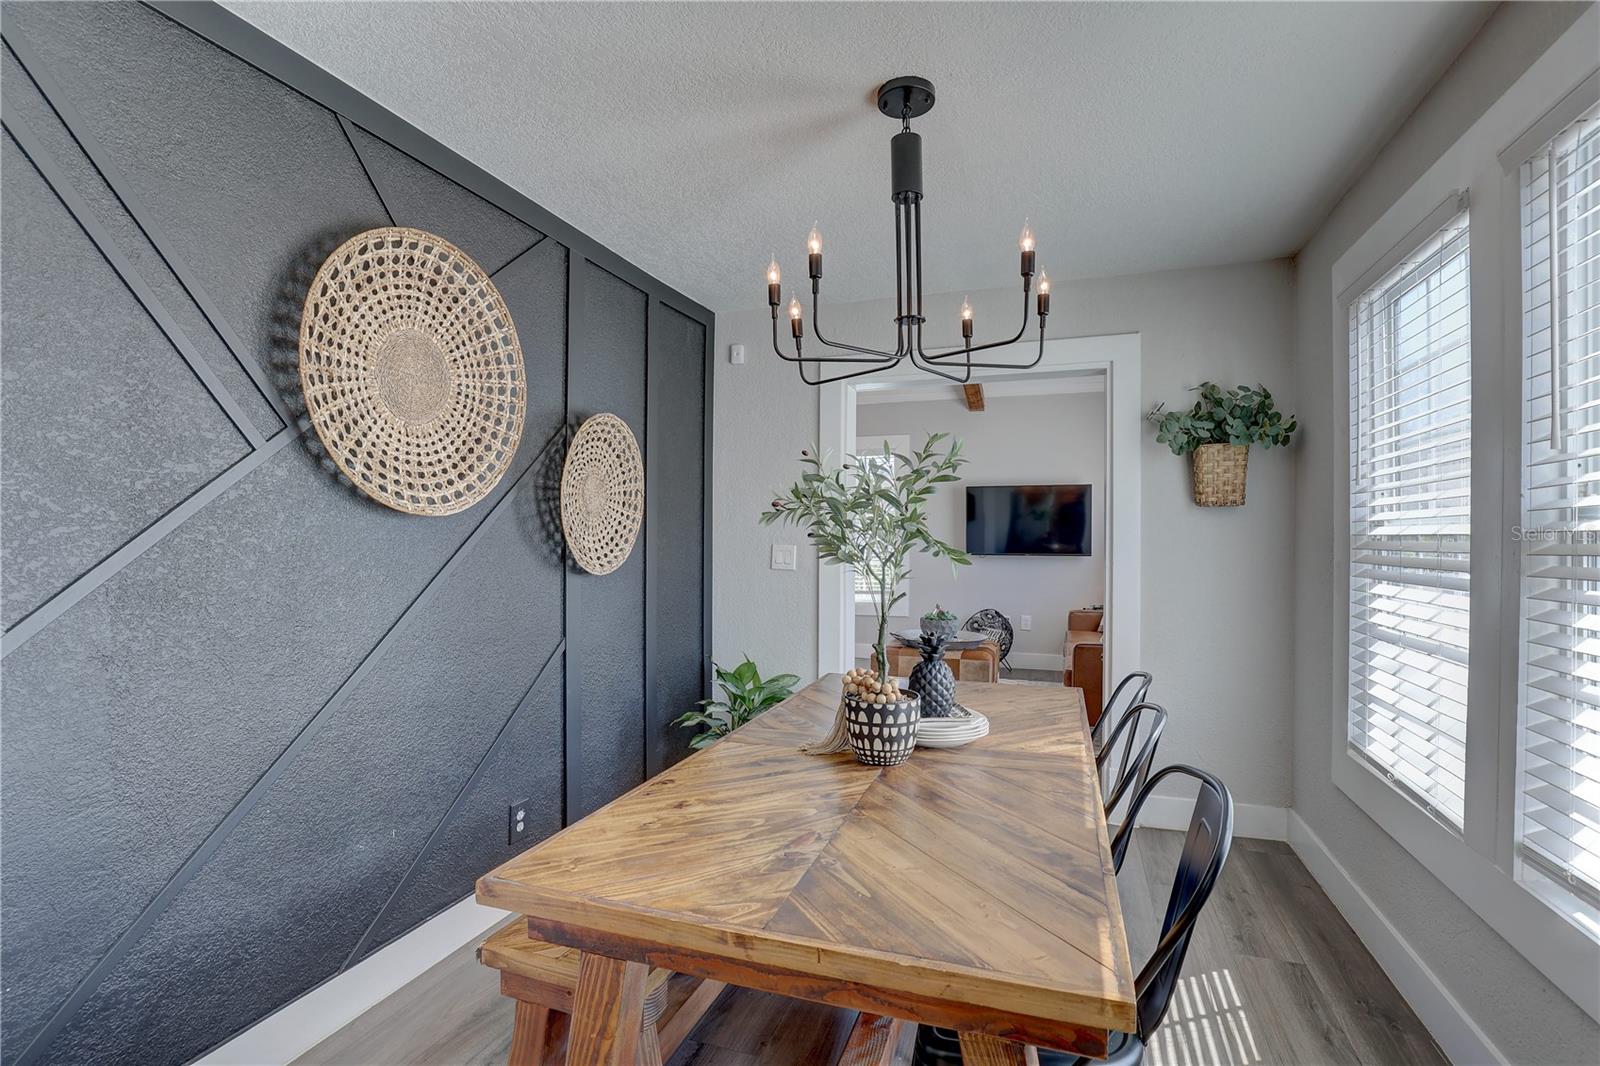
(745, 694)
(1240, 415)
(872, 515)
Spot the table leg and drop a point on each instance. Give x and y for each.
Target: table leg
(607, 1011)
(981, 1049)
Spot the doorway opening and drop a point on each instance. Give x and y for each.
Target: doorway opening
(1071, 421)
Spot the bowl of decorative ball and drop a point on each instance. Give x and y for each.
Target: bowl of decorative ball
(881, 719)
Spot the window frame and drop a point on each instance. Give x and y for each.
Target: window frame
(865, 603)
(1419, 237)
(1537, 876)
(1479, 865)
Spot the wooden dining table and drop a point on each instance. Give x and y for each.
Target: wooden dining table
(970, 888)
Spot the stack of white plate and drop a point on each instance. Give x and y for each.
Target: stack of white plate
(963, 726)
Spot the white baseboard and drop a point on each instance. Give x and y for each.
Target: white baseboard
(297, 1027)
(1249, 819)
(1458, 1035)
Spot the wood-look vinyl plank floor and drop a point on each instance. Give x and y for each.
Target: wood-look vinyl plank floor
(1274, 976)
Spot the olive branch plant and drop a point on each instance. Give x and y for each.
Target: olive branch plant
(870, 512)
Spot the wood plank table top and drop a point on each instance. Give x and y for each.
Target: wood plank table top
(969, 887)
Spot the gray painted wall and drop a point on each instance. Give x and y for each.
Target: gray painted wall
(255, 725)
(1016, 440)
(1516, 1007)
(1216, 580)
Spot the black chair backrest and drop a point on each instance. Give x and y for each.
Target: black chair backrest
(1133, 769)
(1108, 714)
(1205, 849)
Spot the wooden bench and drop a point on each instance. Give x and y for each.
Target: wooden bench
(541, 978)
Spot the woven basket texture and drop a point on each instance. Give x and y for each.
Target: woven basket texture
(411, 371)
(1219, 471)
(602, 494)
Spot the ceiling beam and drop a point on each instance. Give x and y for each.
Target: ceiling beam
(974, 396)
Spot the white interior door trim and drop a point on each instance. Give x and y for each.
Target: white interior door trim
(1117, 355)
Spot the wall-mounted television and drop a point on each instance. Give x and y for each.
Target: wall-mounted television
(1028, 519)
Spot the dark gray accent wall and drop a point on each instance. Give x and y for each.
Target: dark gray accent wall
(256, 726)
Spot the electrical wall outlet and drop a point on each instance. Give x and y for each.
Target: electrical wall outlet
(783, 557)
(517, 822)
(1027, 621)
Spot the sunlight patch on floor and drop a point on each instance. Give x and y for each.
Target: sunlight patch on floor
(1206, 1025)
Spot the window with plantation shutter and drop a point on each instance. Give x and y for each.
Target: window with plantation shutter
(1410, 512)
(1558, 817)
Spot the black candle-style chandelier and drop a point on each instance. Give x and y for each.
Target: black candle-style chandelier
(905, 99)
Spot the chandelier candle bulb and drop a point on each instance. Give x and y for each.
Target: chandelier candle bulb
(814, 252)
(1044, 295)
(966, 319)
(774, 276)
(797, 322)
(1027, 244)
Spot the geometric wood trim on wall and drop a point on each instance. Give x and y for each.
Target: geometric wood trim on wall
(248, 713)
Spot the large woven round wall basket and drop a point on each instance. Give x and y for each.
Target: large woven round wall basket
(1219, 471)
(411, 371)
(602, 494)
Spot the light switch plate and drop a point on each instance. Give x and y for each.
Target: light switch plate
(736, 353)
(1027, 621)
(783, 557)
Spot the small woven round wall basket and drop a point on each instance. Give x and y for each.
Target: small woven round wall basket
(411, 371)
(1219, 471)
(602, 494)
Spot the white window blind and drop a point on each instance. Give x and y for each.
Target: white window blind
(869, 450)
(1410, 512)
(1559, 759)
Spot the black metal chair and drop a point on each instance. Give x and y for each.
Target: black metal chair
(1205, 850)
(1133, 769)
(1097, 733)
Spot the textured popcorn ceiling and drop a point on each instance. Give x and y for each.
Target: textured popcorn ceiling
(695, 139)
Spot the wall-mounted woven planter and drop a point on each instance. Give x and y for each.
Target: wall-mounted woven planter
(1219, 474)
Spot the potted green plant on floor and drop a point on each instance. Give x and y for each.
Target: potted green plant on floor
(1216, 434)
(745, 694)
(870, 513)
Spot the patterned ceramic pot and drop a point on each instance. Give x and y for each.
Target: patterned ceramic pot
(940, 629)
(882, 734)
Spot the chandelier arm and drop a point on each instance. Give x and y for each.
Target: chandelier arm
(816, 328)
(959, 379)
(841, 377)
(899, 275)
(1011, 366)
(916, 211)
(902, 337)
(880, 362)
(1026, 285)
(908, 318)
